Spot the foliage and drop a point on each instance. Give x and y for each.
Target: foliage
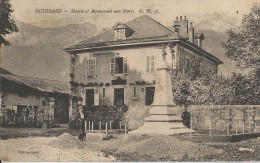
(115, 114)
(209, 89)
(135, 115)
(7, 24)
(243, 43)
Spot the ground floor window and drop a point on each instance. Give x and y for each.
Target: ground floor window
(149, 95)
(119, 96)
(89, 97)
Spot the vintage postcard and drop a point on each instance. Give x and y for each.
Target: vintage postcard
(129, 81)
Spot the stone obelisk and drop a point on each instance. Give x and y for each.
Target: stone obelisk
(163, 115)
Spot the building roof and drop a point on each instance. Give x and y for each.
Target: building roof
(145, 29)
(42, 85)
(4, 71)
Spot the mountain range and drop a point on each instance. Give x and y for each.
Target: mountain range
(37, 51)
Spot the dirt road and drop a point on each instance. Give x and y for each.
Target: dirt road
(62, 148)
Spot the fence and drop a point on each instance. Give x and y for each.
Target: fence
(107, 128)
(225, 119)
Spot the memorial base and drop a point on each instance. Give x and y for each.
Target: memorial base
(163, 120)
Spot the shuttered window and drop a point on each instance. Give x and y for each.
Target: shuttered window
(91, 67)
(150, 64)
(118, 65)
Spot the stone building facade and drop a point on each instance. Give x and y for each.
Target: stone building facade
(118, 67)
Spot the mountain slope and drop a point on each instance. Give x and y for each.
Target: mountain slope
(212, 44)
(37, 52)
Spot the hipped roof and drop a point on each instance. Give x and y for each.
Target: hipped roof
(146, 30)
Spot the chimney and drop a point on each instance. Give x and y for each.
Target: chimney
(191, 33)
(199, 42)
(182, 25)
(176, 29)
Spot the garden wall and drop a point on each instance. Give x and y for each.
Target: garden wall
(240, 118)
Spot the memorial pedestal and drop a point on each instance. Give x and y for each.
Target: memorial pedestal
(164, 117)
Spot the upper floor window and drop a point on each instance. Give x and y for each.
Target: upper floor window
(122, 31)
(150, 64)
(120, 34)
(90, 67)
(119, 65)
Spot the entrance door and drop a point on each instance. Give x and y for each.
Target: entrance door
(119, 96)
(149, 94)
(90, 97)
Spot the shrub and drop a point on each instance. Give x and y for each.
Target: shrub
(135, 115)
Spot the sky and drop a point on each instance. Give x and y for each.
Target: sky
(229, 12)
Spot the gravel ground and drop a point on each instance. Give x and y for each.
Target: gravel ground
(62, 148)
(57, 145)
(153, 148)
(232, 153)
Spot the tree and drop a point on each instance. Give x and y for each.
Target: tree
(243, 43)
(7, 24)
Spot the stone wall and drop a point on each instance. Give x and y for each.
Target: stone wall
(221, 117)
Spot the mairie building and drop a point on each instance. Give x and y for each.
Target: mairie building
(117, 67)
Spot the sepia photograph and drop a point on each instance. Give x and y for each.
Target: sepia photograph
(129, 81)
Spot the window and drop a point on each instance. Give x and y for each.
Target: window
(150, 64)
(103, 93)
(149, 95)
(90, 67)
(135, 92)
(120, 34)
(119, 65)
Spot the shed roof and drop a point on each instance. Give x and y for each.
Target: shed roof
(38, 84)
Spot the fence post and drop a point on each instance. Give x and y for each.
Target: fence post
(110, 125)
(120, 125)
(89, 125)
(99, 126)
(249, 128)
(92, 127)
(210, 124)
(210, 133)
(243, 127)
(85, 126)
(227, 129)
(125, 129)
(190, 126)
(106, 128)
(236, 127)
(86, 129)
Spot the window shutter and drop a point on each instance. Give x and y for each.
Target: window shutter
(125, 65)
(87, 68)
(112, 66)
(148, 64)
(94, 67)
(152, 64)
(83, 95)
(96, 97)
